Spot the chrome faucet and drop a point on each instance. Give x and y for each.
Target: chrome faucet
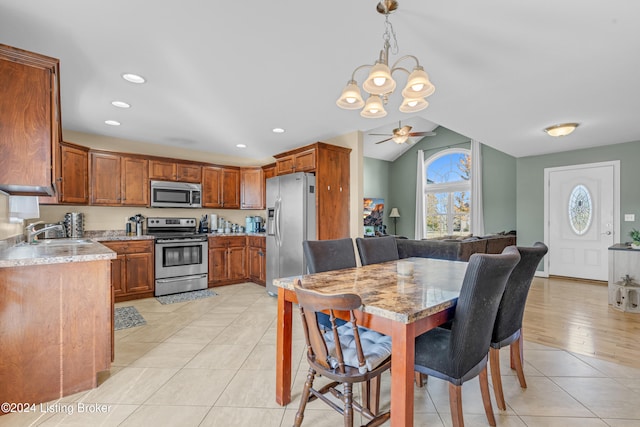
(32, 234)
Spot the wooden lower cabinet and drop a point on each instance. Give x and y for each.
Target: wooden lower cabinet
(132, 272)
(227, 260)
(257, 259)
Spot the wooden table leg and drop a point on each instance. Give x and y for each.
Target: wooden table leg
(402, 363)
(283, 349)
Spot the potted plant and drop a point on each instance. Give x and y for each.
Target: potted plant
(635, 237)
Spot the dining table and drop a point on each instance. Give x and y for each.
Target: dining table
(400, 305)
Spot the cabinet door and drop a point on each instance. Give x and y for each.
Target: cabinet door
(332, 194)
(253, 263)
(251, 188)
(237, 263)
(74, 186)
(161, 170)
(188, 173)
(285, 165)
(230, 188)
(135, 181)
(138, 269)
(30, 115)
(105, 179)
(218, 268)
(118, 279)
(305, 161)
(211, 186)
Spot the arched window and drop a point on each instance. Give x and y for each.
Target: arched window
(448, 193)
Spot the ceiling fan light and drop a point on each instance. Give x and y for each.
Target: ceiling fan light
(561, 130)
(411, 105)
(379, 81)
(400, 139)
(418, 84)
(350, 99)
(374, 108)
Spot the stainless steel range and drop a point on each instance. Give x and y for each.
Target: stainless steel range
(181, 255)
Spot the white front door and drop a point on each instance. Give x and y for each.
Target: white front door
(582, 218)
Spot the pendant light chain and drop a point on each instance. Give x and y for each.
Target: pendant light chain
(389, 32)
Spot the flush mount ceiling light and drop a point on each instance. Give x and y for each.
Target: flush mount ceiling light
(380, 84)
(133, 78)
(120, 104)
(112, 122)
(561, 130)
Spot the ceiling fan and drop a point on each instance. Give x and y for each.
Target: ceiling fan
(401, 134)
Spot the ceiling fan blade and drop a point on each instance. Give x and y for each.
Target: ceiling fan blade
(384, 140)
(379, 134)
(422, 134)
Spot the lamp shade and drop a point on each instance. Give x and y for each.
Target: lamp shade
(373, 108)
(379, 81)
(350, 99)
(394, 213)
(411, 105)
(418, 84)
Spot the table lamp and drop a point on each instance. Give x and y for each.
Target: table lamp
(395, 215)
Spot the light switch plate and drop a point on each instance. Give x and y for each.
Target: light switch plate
(629, 217)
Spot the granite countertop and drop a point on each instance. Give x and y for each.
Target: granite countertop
(25, 254)
(434, 286)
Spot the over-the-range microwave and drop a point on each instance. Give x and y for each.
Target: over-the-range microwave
(168, 194)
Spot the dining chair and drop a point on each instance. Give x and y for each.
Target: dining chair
(374, 250)
(507, 330)
(461, 353)
(346, 355)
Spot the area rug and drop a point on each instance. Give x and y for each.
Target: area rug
(127, 317)
(185, 296)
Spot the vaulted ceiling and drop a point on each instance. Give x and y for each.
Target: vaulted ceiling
(226, 73)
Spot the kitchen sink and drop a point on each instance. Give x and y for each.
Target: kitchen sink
(62, 242)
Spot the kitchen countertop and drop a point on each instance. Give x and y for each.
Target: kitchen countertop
(25, 254)
(236, 234)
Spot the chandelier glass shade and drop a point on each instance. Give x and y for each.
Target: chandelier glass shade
(380, 84)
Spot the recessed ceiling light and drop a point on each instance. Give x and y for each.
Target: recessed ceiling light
(112, 122)
(563, 129)
(278, 130)
(120, 104)
(241, 145)
(133, 78)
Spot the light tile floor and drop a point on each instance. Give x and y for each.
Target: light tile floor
(211, 362)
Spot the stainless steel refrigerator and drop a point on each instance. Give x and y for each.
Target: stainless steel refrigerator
(291, 218)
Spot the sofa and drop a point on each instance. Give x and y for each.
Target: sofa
(455, 248)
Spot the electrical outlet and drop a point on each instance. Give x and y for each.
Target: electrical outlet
(629, 217)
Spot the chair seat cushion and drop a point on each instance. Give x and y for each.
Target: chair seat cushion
(375, 346)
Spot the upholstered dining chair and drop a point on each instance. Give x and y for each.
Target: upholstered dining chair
(460, 353)
(507, 330)
(374, 250)
(346, 355)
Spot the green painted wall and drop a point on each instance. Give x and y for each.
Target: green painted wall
(530, 186)
(376, 185)
(499, 176)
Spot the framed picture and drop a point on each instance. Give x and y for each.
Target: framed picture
(373, 211)
(369, 230)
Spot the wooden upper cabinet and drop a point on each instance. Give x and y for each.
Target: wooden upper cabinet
(105, 179)
(73, 186)
(119, 180)
(135, 181)
(220, 187)
(296, 161)
(251, 188)
(189, 173)
(230, 188)
(30, 126)
(162, 170)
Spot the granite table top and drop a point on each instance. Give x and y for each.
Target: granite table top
(433, 287)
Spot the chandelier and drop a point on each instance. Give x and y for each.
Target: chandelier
(380, 84)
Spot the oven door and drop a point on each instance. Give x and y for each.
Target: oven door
(181, 257)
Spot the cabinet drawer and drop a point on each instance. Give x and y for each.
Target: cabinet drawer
(130, 246)
(257, 242)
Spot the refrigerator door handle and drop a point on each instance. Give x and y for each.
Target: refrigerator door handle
(276, 219)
